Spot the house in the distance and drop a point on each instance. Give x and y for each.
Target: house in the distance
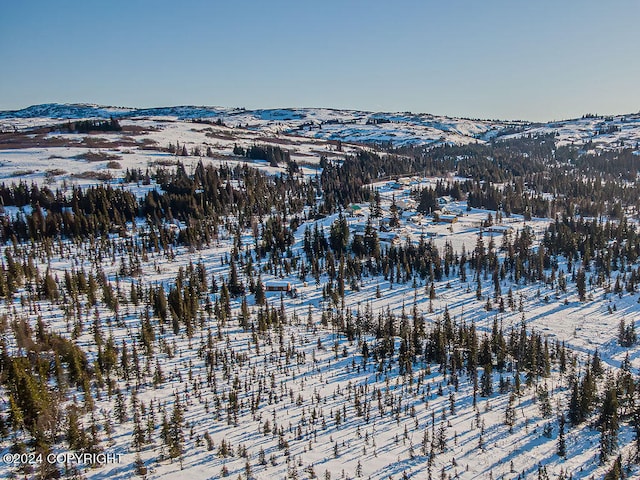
(447, 218)
(284, 287)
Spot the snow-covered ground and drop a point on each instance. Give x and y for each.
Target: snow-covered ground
(303, 379)
(320, 382)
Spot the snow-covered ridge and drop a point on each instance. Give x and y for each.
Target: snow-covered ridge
(406, 128)
(322, 123)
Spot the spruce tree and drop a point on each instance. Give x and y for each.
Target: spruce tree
(609, 422)
(562, 444)
(486, 381)
(176, 436)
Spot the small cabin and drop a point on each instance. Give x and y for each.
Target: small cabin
(356, 210)
(277, 287)
(448, 219)
(499, 229)
(406, 204)
(284, 287)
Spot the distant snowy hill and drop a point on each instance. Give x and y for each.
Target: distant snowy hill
(355, 126)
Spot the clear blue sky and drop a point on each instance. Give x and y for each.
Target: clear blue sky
(536, 60)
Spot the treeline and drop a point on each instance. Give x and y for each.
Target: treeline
(276, 156)
(202, 202)
(345, 183)
(528, 175)
(87, 126)
(93, 211)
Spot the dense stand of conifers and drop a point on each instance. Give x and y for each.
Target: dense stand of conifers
(52, 382)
